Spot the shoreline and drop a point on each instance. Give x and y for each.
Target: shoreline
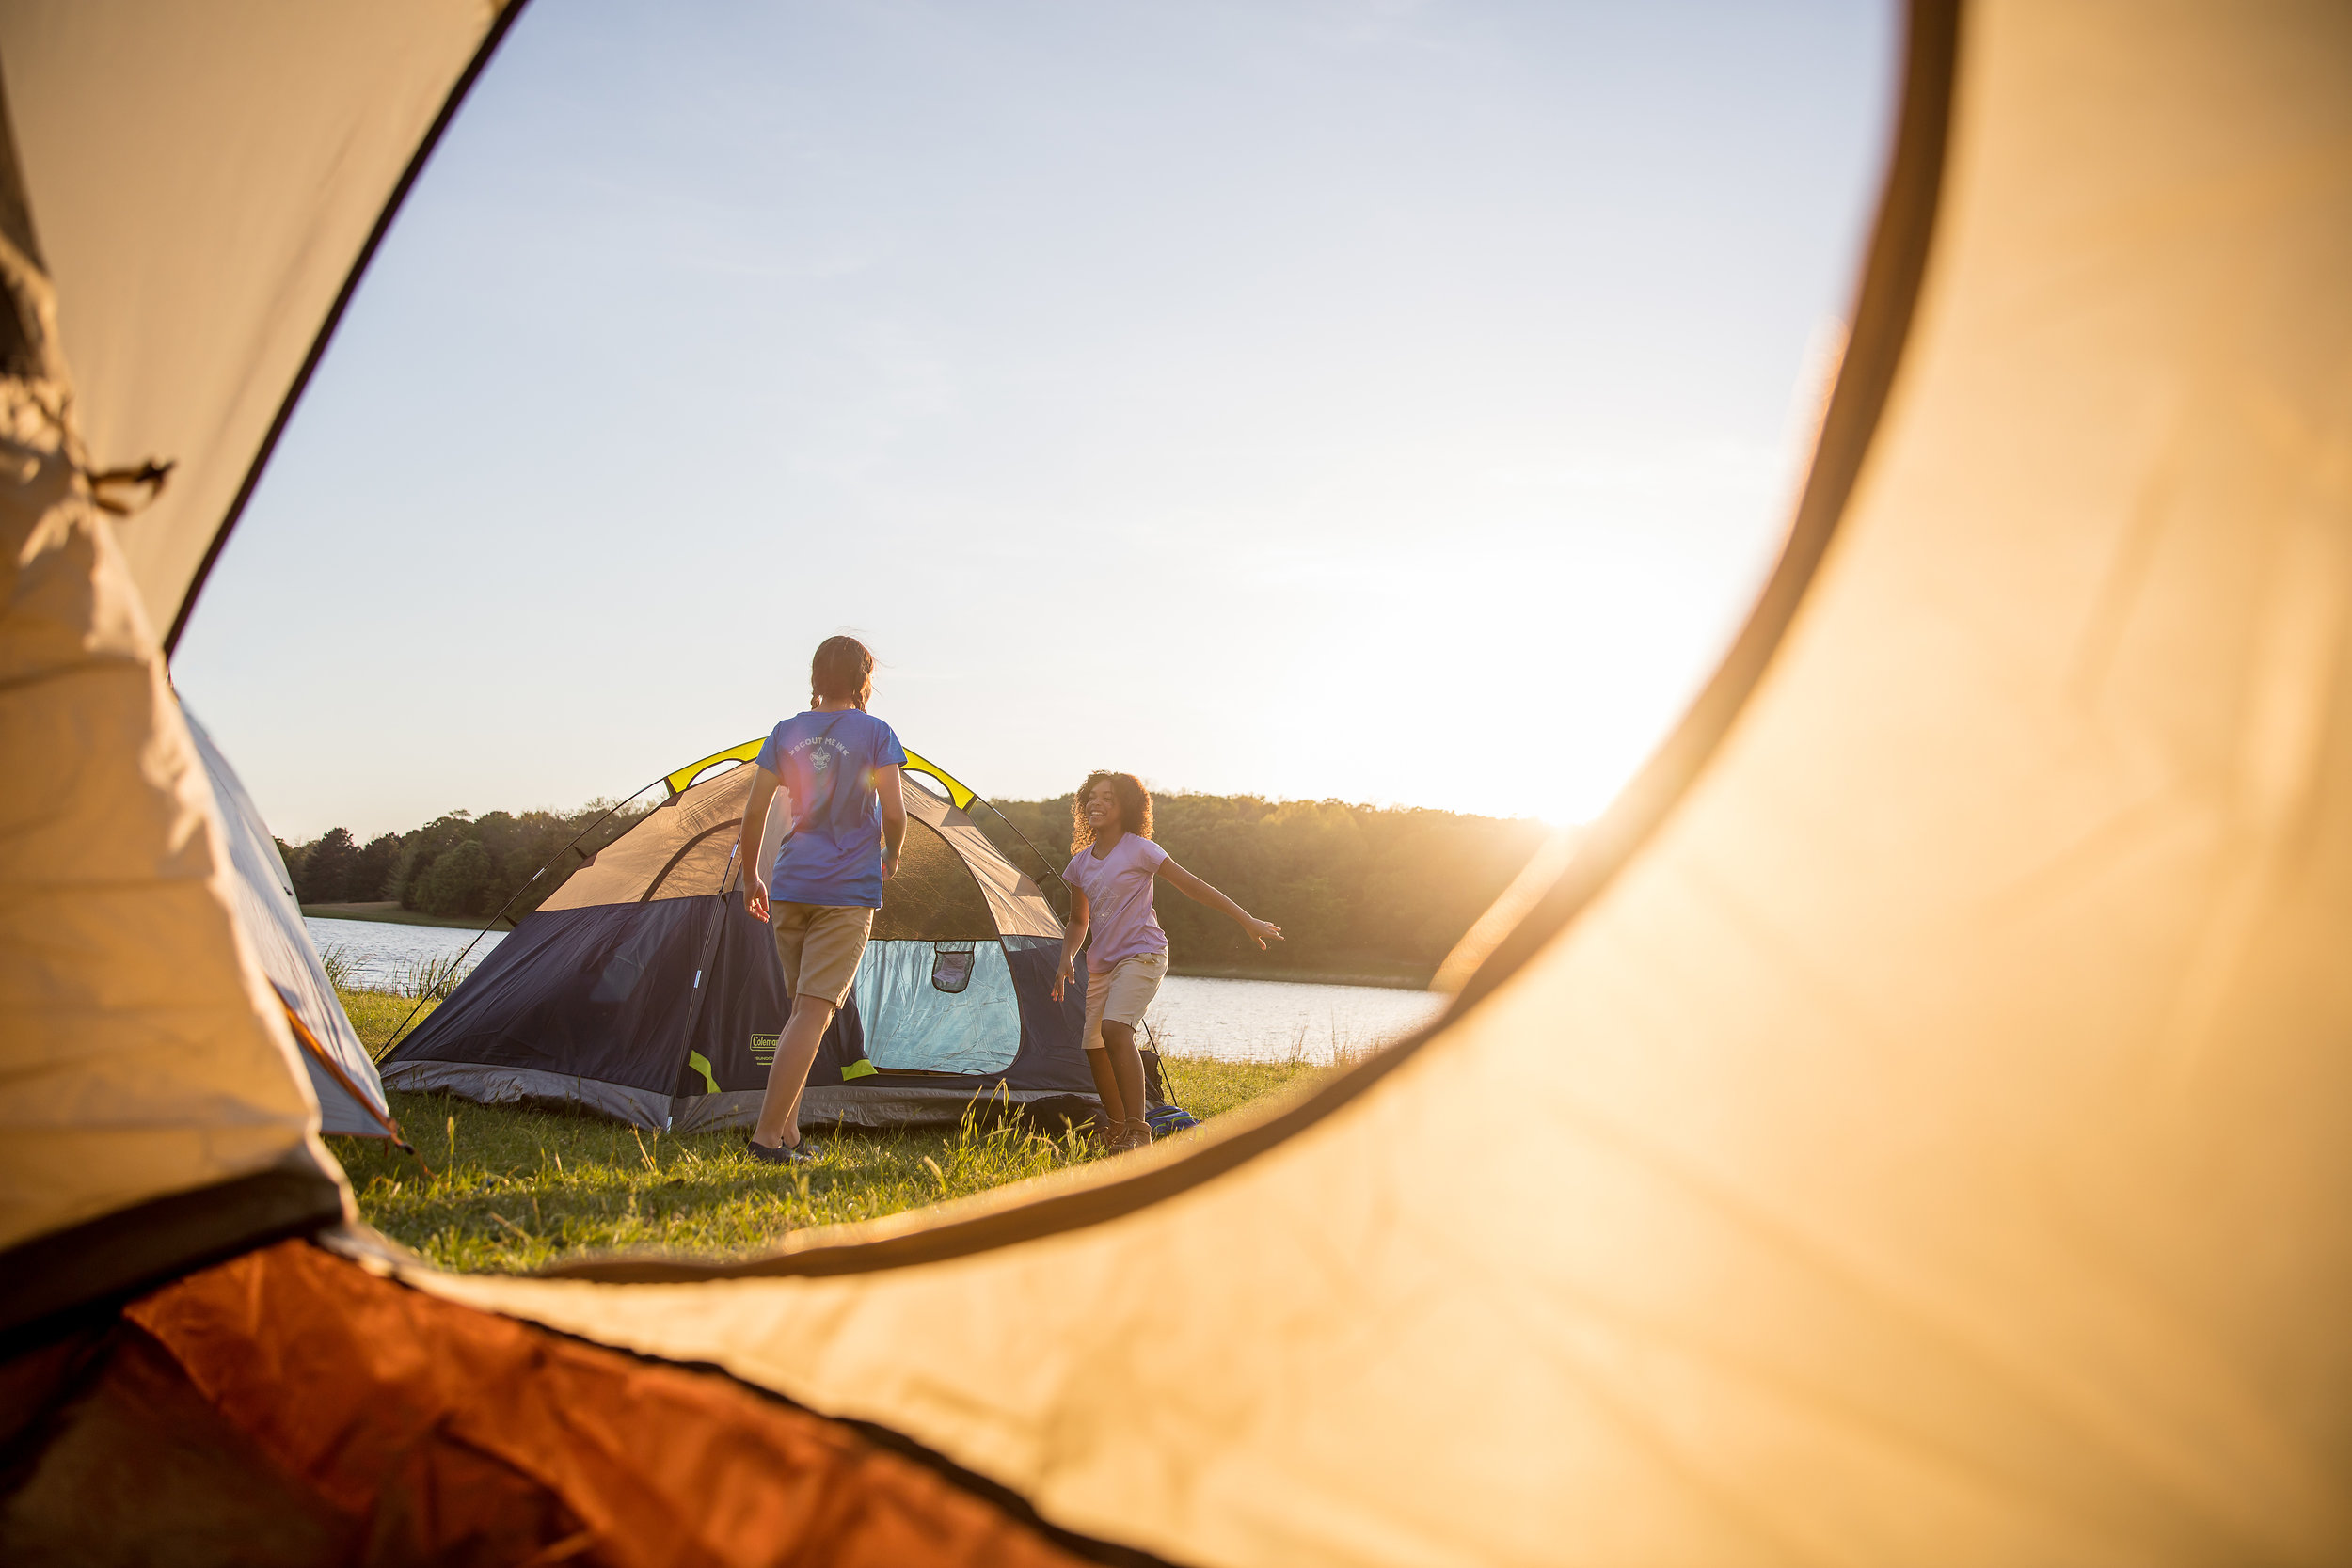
(390, 913)
(1298, 976)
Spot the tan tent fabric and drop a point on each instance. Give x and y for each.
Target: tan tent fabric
(142, 1051)
(1018, 905)
(692, 834)
(1932, 1146)
(201, 180)
(688, 833)
(1935, 1145)
(342, 1075)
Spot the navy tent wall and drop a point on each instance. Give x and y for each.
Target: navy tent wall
(598, 1008)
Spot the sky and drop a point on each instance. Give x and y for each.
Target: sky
(1390, 402)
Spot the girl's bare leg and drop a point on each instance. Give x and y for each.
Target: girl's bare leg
(1114, 1122)
(1118, 1044)
(780, 1108)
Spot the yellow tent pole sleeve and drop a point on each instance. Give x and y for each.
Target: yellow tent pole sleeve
(959, 794)
(748, 751)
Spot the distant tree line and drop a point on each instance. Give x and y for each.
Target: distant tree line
(455, 865)
(1360, 890)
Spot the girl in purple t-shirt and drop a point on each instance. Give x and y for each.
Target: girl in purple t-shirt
(1113, 864)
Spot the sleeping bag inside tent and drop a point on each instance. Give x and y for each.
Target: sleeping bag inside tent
(643, 990)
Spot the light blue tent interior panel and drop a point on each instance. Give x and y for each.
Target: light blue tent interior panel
(945, 1006)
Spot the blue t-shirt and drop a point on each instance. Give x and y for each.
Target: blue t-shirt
(833, 855)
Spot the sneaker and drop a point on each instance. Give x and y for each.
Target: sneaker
(800, 1154)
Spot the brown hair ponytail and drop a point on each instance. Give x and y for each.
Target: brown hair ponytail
(843, 671)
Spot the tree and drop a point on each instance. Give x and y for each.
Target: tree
(291, 854)
(459, 876)
(372, 867)
(422, 847)
(1374, 890)
(518, 844)
(326, 865)
(1357, 889)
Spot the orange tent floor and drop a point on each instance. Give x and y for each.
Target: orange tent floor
(291, 1407)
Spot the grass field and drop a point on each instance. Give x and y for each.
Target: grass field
(513, 1189)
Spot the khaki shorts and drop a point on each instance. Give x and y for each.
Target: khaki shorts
(1121, 994)
(820, 945)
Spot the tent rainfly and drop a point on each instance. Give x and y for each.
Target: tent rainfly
(1929, 1111)
(641, 989)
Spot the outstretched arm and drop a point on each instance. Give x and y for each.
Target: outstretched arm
(1200, 892)
(1073, 936)
(754, 829)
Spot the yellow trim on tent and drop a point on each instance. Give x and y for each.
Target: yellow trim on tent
(748, 751)
(958, 795)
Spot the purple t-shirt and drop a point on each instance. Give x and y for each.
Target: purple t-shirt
(1118, 900)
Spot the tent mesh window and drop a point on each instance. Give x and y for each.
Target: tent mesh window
(932, 897)
(951, 966)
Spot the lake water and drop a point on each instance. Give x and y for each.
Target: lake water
(381, 954)
(1238, 1020)
(1275, 1020)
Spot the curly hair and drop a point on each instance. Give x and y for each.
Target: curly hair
(1135, 807)
(843, 670)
